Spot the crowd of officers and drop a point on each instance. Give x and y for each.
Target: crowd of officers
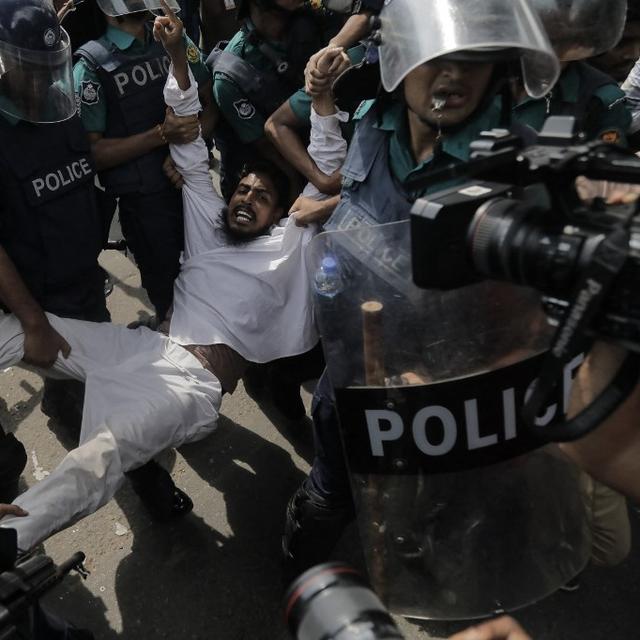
(62, 183)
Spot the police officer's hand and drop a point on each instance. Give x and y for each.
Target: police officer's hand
(168, 30)
(180, 129)
(12, 510)
(175, 177)
(42, 344)
(323, 68)
(306, 211)
(329, 185)
(504, 628)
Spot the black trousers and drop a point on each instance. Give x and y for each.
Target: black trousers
(153, 228)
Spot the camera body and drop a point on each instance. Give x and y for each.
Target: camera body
(530, 227)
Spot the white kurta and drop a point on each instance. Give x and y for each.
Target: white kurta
(255, 296)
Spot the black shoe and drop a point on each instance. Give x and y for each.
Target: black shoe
(13, 460)
(313, 527)
(160, 496)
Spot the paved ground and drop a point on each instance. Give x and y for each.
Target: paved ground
(216, 574)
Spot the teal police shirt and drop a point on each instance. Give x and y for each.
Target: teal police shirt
(246, 121)
(454, 147)
(612, 117)
(92, 105)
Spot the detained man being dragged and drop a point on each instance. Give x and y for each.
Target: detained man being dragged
(242, 295)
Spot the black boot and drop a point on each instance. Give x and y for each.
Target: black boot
(13, 460)
(160, 496)
(313, 527)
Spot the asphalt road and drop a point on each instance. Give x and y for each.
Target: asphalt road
(216, 574)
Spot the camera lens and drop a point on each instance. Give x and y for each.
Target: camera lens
(332, 602)
(512, 240)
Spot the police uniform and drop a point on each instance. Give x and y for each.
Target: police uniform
(252, 77)
(51, 228)
(378, 162)
(119, 83)
(593, 97)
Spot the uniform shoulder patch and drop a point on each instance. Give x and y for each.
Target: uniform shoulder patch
(611, 136)
(89, 92)
(244, 109)
(193, 54)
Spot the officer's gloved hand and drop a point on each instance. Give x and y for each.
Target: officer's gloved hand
(180, 129)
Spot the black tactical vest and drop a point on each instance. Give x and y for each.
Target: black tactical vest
(133, 88)
(50, 224)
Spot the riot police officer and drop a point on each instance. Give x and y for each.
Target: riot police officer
(439, 95)
(119, 80)
(579, 30)
(51, 229)
(261, 66)
(47, 185)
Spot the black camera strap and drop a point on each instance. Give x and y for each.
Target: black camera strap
(594, 284)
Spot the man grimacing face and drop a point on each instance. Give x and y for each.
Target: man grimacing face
(253, 208)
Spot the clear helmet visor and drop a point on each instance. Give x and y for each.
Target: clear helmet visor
(580, 29)
(124, 7)
(414, 32)
(37, 86)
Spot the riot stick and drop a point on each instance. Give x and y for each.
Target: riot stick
(373, 346)
(373, 343)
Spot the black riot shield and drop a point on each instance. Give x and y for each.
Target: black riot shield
(461, 512)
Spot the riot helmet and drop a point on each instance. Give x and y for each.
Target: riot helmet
(116, 8)
(580, 29)
(36, 80)
(412, 33)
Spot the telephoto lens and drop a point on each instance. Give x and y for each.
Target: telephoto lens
(333, 602)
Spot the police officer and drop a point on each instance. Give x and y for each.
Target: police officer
(257, 71)
(119, 80)
(50, 226)
(579, 30)
(439, 95)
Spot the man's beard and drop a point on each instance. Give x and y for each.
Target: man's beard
(233, 237)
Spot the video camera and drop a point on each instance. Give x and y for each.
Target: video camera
(332, 601)
(22, 586)
(530, 227)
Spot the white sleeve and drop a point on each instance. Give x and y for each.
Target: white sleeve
(631, 86)
(327, 146)
(202, 204)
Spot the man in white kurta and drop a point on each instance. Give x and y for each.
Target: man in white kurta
(146, 391)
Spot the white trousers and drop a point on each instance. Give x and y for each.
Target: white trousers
(144, 394)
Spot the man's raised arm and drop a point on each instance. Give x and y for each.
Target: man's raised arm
(202, 204)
